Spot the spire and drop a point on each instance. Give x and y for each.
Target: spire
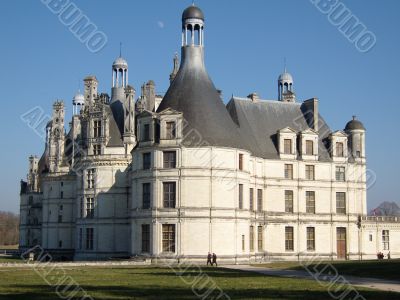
(284, 65)
(175, 68)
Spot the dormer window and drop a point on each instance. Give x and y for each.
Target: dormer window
(309, 147)
(288, 146)
(287, 143)
(339, 149)
(146, 132)
(97, 128)
(170, 130)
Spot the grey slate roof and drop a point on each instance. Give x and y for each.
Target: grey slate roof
(114, 131)
(354, 125)
(259, 122)
(193, 94)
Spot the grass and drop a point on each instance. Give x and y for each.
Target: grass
(381, 269)
(163, 283)
(10, 259)
(9, 247)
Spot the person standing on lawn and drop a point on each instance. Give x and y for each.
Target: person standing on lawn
(214, 259)
(209, 256)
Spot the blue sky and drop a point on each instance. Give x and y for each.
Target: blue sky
(246, 42)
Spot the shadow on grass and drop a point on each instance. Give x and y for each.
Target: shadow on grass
(44, 292)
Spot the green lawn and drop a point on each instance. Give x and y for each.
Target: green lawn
(163, 283)
(384, 269)
(9, 247)
(10, 259)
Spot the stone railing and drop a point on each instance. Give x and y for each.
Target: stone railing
(392, 219)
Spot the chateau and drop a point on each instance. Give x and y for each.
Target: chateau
(176, 176)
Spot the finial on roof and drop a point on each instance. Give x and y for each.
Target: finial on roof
(284, 64)
(120, 49)
(354, 117)
(193, 3)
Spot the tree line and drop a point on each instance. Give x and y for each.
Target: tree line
(9, 228)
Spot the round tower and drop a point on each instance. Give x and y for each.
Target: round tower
(192, 26)
(78, 102)
(285, 87)
(356, 132)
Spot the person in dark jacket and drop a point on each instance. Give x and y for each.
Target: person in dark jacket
(214, 259)
(209, 256)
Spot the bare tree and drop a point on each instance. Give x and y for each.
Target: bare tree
(9, 228)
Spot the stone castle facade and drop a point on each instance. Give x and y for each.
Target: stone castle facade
(176, 176)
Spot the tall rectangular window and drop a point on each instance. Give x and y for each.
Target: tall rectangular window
(89, 239)
(289, 201)
(243, 243)
(90, 178)
(310, 172)
(146, 238)
(89, 207)
(170, 130)
(168, 238)
(169, 189)
(96, 128)
(241, 161)
(169, 159)
(259, 200)
(288, 171)
(146, 160)
(146, 132)
(251, 199)
(309, 147)
(96, 149)
(385, 239)
(287, 148)
(80, 238)
(251, 239)
(146, 195)
(310, 238)
(339, 149)
(341, 203)
(240, 196)
(289, 239)
(310, 202)
(260, 238)
(82, 207)
(340, 174)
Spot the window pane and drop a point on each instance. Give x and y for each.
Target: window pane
(340, 174)
(251, 205)
(289, 239)
(310, 172)
(146, 161)
(169, 189)
(310, 202)
(260, 200)
(145, 238)
(341, 203)
(260, 238)
(289, 201)
(288, 171)
(171, 132)
(168, 238)
(146, 195)
(169, 159)
(310, 238)
(339, 149)
(240, 161)
(251, 238)
(288, 146)
(309, 147)
(240, 196)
